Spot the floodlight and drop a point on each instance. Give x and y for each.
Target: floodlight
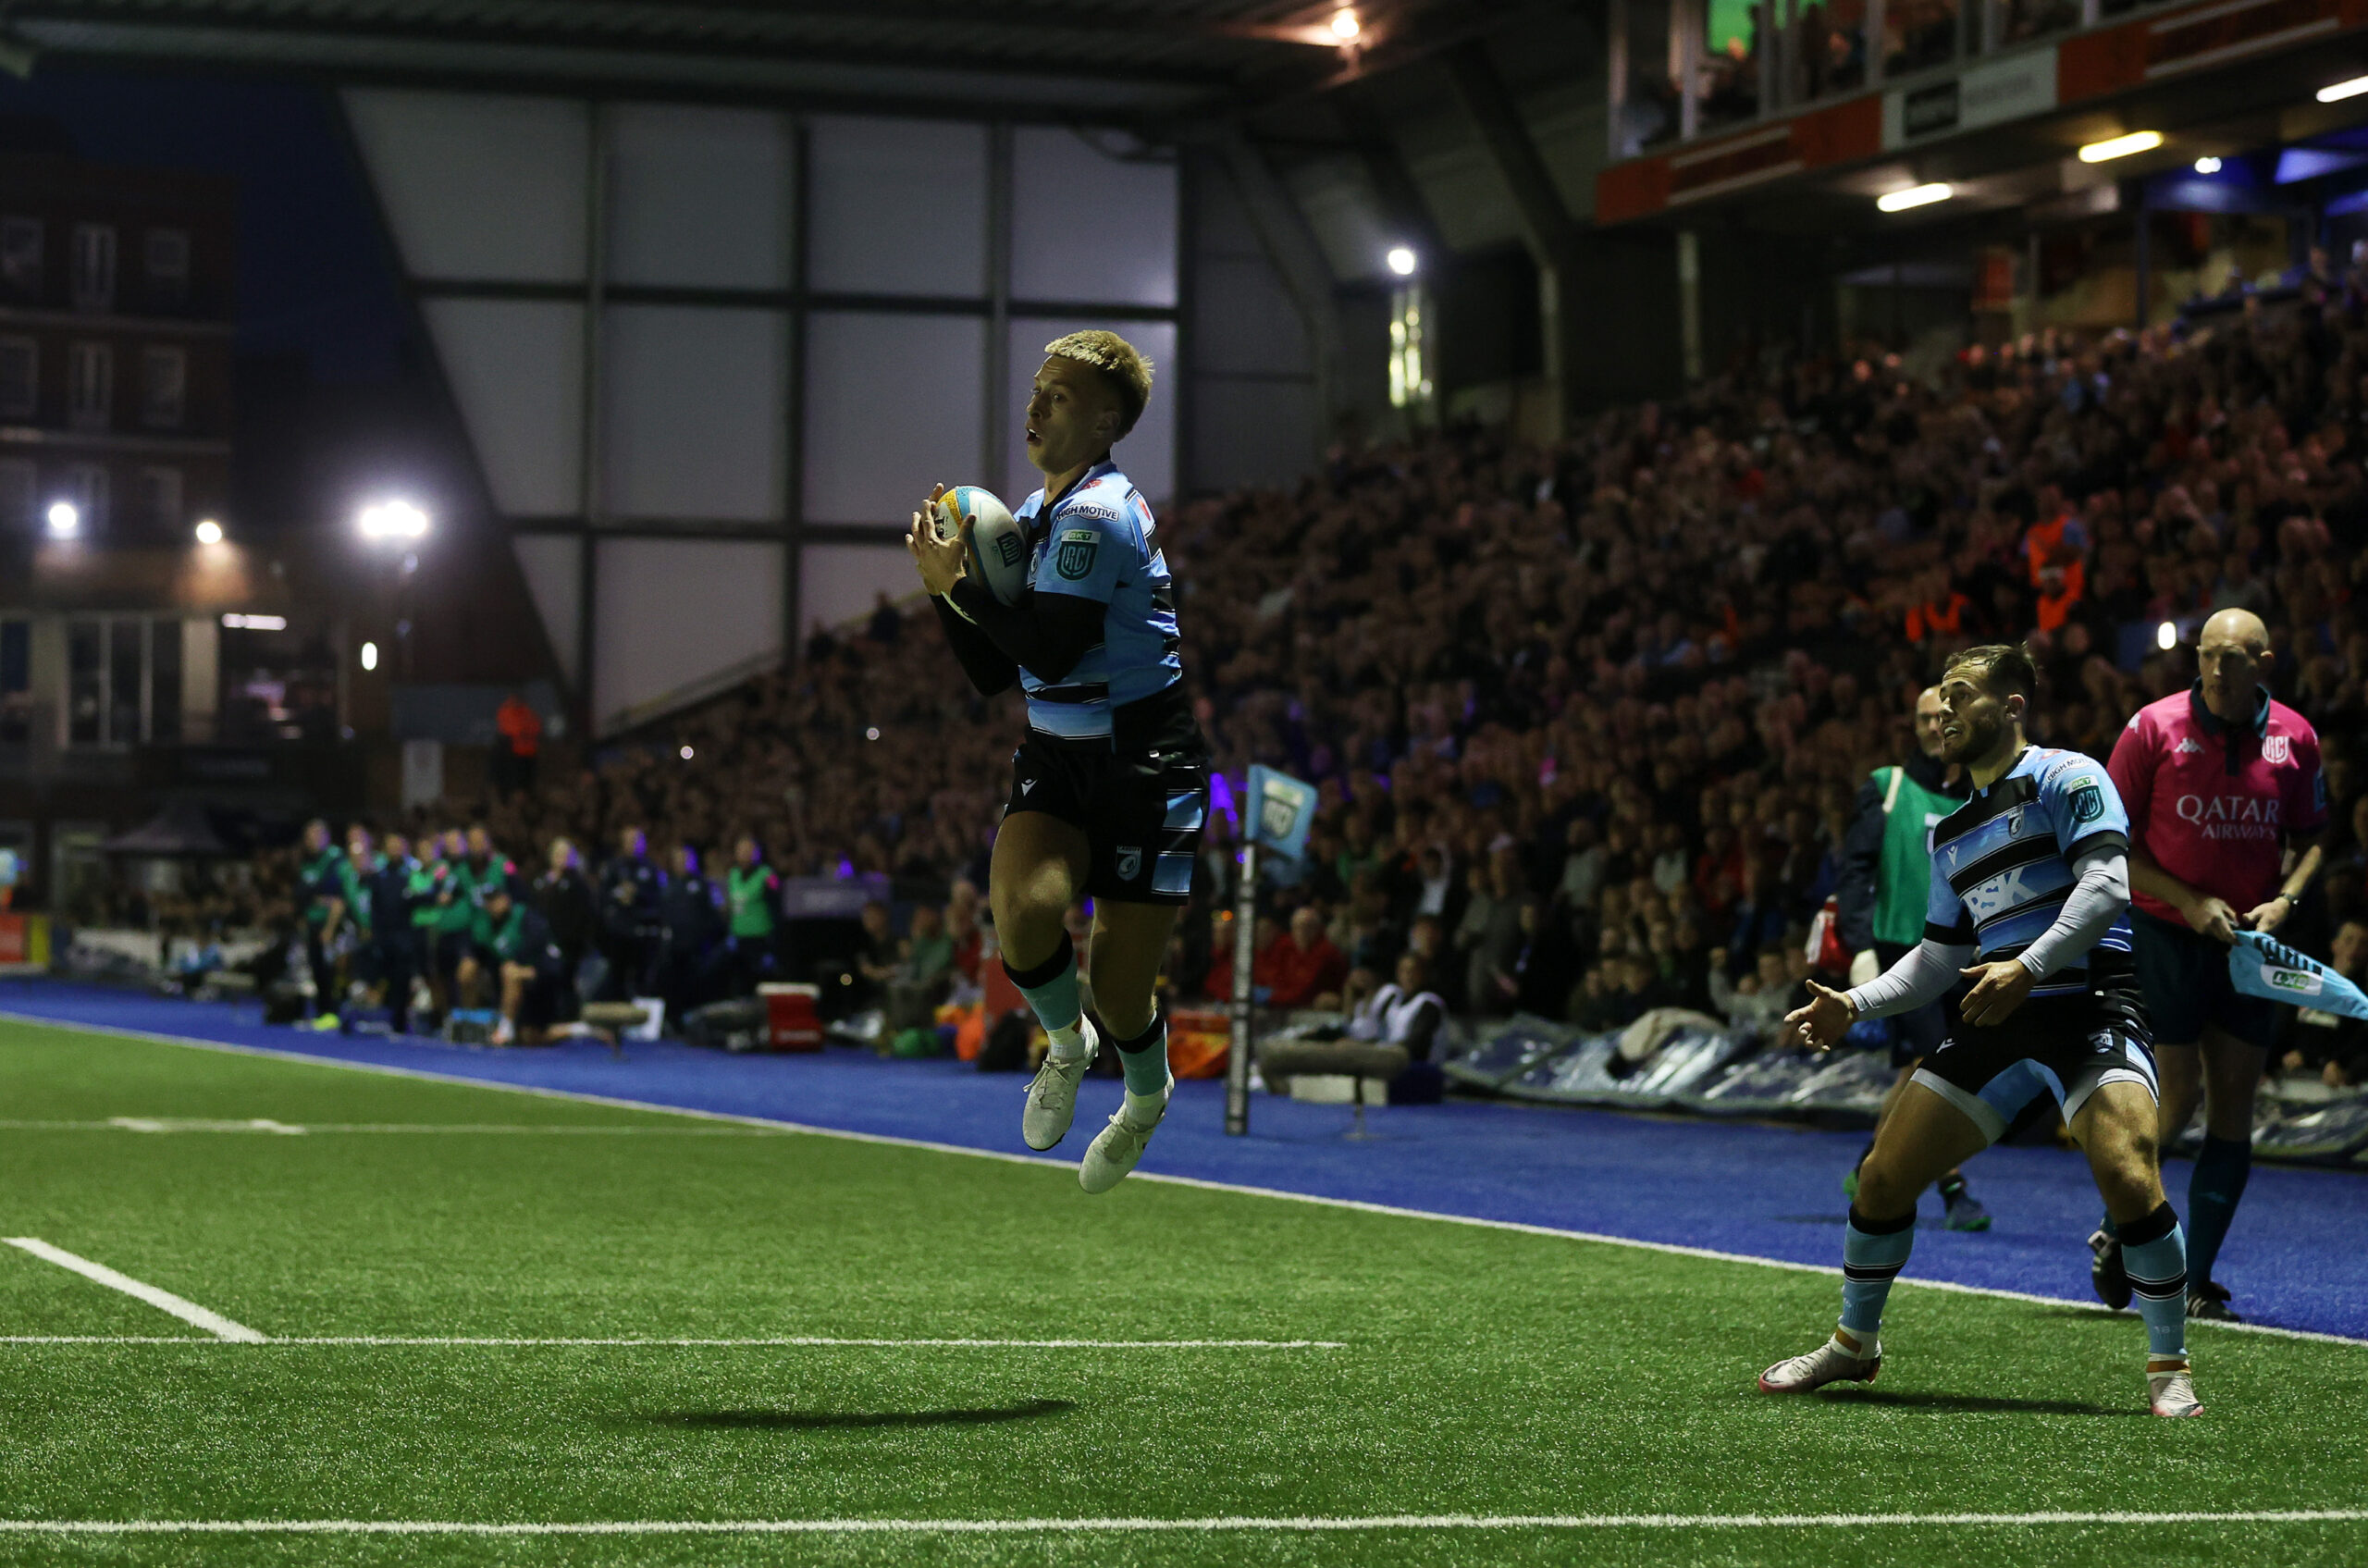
(2121, 146)
(369, 656)
(2352, 88)
(2166, 635)
(1345, 26)
(1403, 261)
(2207, 165)
(392, 520)
(208, 531)
(1916, 196)
(65, 520)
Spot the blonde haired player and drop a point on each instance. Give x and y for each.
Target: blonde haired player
(1110, 786)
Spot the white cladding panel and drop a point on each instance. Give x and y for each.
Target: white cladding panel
(1086, 225)
(893, 404)
(693, 423)
(841, 582)
(516, 368)
(1148, 454)
(477, 186)
(552, 566)
(699, 198)
(898, 207)
(675, 618)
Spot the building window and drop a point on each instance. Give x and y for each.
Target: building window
(123, 680)
(161, 497)
(17, 478)
(88, 491)
(1410, 372)
(163, 388)
(168, 267)
(17, 682)
(93, 267)
(20, 255)
(20, 378)
(89, 386)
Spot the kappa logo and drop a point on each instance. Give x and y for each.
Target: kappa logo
(2186, 747)
(2276, 750)
(1130, 863)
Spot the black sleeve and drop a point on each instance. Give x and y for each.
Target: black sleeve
(1047, 635)
(1420, 1032)
(1862, 859)
(989, 669)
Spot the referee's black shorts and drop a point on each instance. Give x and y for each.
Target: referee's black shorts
(1141, 814)
(2185, 975)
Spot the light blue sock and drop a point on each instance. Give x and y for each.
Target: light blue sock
(2157, 1267)
(1872, 1259)
(1051, 987)
(1145, 1060)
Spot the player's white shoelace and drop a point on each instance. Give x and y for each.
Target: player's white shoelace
(1827, 1363)
(1052, 1100)
(2173, 1393)
(1115, 1151)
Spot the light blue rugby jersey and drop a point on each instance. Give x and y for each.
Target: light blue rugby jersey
(1098, 543)
(2002, 863)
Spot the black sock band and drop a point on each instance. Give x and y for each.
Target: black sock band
(1866, 1227)
(1155, 1034)
(2153, 1227)
(1952, 1185)
(1046, 972)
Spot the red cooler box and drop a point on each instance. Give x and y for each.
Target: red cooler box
(792, 1022)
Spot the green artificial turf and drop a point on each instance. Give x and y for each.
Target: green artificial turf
(1485, 1372)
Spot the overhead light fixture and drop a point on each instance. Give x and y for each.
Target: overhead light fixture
(2121, 146)
(392, 520)
(1916, 196)
(255, 623)
(1403, 261)
(2166, 635)
(369, 656)
(1345, 26)
(2342, 90)
(2207, 165)
(65, 520)
(208, 531)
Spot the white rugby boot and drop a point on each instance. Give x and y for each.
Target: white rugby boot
(2172, 1392)
(1830, 1362)
(1117, 1146)
(1051, 1096)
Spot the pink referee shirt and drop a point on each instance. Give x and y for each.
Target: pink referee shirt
(2221, 831)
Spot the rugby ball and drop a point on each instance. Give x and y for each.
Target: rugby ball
(998, 543)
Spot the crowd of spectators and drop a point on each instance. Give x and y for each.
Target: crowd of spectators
(1587, 719)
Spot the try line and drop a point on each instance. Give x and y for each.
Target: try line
(1220, 1524)
(784, 1341)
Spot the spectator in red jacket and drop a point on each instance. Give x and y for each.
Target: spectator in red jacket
(1310, 969)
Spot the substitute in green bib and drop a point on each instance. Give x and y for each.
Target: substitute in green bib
(751, 905)
(1886, 873)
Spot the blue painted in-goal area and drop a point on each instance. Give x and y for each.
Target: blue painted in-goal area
(2295, 1259)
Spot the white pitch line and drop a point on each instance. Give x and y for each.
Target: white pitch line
(188, 1312)
(891, 1141)
(263, 1124)
(1218, 1523)
(782, 1342)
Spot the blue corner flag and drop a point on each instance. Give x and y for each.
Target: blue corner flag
(2263, 966)
(1282, 810)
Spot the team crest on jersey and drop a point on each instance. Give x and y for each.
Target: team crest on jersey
(2088, 803)
(2013, 820)
(1074, 560)
(1130, 863)
(2276, 749)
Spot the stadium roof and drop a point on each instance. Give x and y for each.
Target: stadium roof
(1144, 60)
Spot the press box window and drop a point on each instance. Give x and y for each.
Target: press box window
(161, 497)
(17, 478)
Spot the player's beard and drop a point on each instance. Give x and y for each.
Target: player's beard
(1976, 739)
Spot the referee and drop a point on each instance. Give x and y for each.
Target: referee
(1886, 877)
(2219, 781)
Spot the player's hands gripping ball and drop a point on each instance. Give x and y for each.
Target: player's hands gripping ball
(940, 555)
